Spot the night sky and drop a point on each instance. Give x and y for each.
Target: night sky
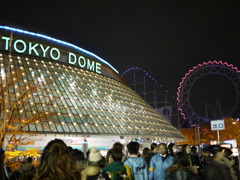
(166, 38)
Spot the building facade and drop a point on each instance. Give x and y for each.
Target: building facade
(82, 93)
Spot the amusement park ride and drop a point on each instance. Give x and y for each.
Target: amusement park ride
(152, 91)
(180, 110)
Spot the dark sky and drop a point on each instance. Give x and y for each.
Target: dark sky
(164, 37)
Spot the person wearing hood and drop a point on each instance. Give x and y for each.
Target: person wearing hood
(137, 164)
(26, 170)
(159, 163)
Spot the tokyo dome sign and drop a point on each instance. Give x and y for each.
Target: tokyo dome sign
(41, 50)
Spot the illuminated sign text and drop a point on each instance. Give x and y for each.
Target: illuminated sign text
(54, 53)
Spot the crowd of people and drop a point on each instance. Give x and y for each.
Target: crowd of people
(161, 162)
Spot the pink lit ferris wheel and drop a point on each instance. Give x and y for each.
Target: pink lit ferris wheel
(201, 71)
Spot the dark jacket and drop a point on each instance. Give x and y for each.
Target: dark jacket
(177, 172)
(216, 170)
(26, 171)
(196, 160)
(149, 157)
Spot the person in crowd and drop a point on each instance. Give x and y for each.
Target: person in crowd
(187, 150)
(217, 168)
(26, 170)
(116, 145)
(145, 156)
(206, 157)
(151, 153)
(137, 164)
(87, 153)
(181, 169)
(230, 162)
(69, 149)
(171, 149)
(115, 169)
(159, 163)
(80, 160)
(195, 159)
(57, 163)
(95, 163)
(145, 152)
(236, 166)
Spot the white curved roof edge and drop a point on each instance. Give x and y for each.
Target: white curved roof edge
(58, 41)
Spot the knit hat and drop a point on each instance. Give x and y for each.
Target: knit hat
(94, 155)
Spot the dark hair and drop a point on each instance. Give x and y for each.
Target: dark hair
(1, 151)
(69, 149)
(102, 162)
(170, 148)
(228, 152)
(29, 159)
(57, 163)
(133, 147)
(153, 146)
(116, 154)
(214, 149)
(118, 145)
(181, 159)
(145, 150)
(184, 147)
(78, 155)
(194, 149)
(87, 153)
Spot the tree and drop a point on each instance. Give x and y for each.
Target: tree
(232, 130)
(18, 105)
(206, 134)
(188, 133)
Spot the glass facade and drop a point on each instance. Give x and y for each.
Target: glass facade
(77, 101)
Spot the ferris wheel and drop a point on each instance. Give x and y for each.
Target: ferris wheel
(207, 68)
